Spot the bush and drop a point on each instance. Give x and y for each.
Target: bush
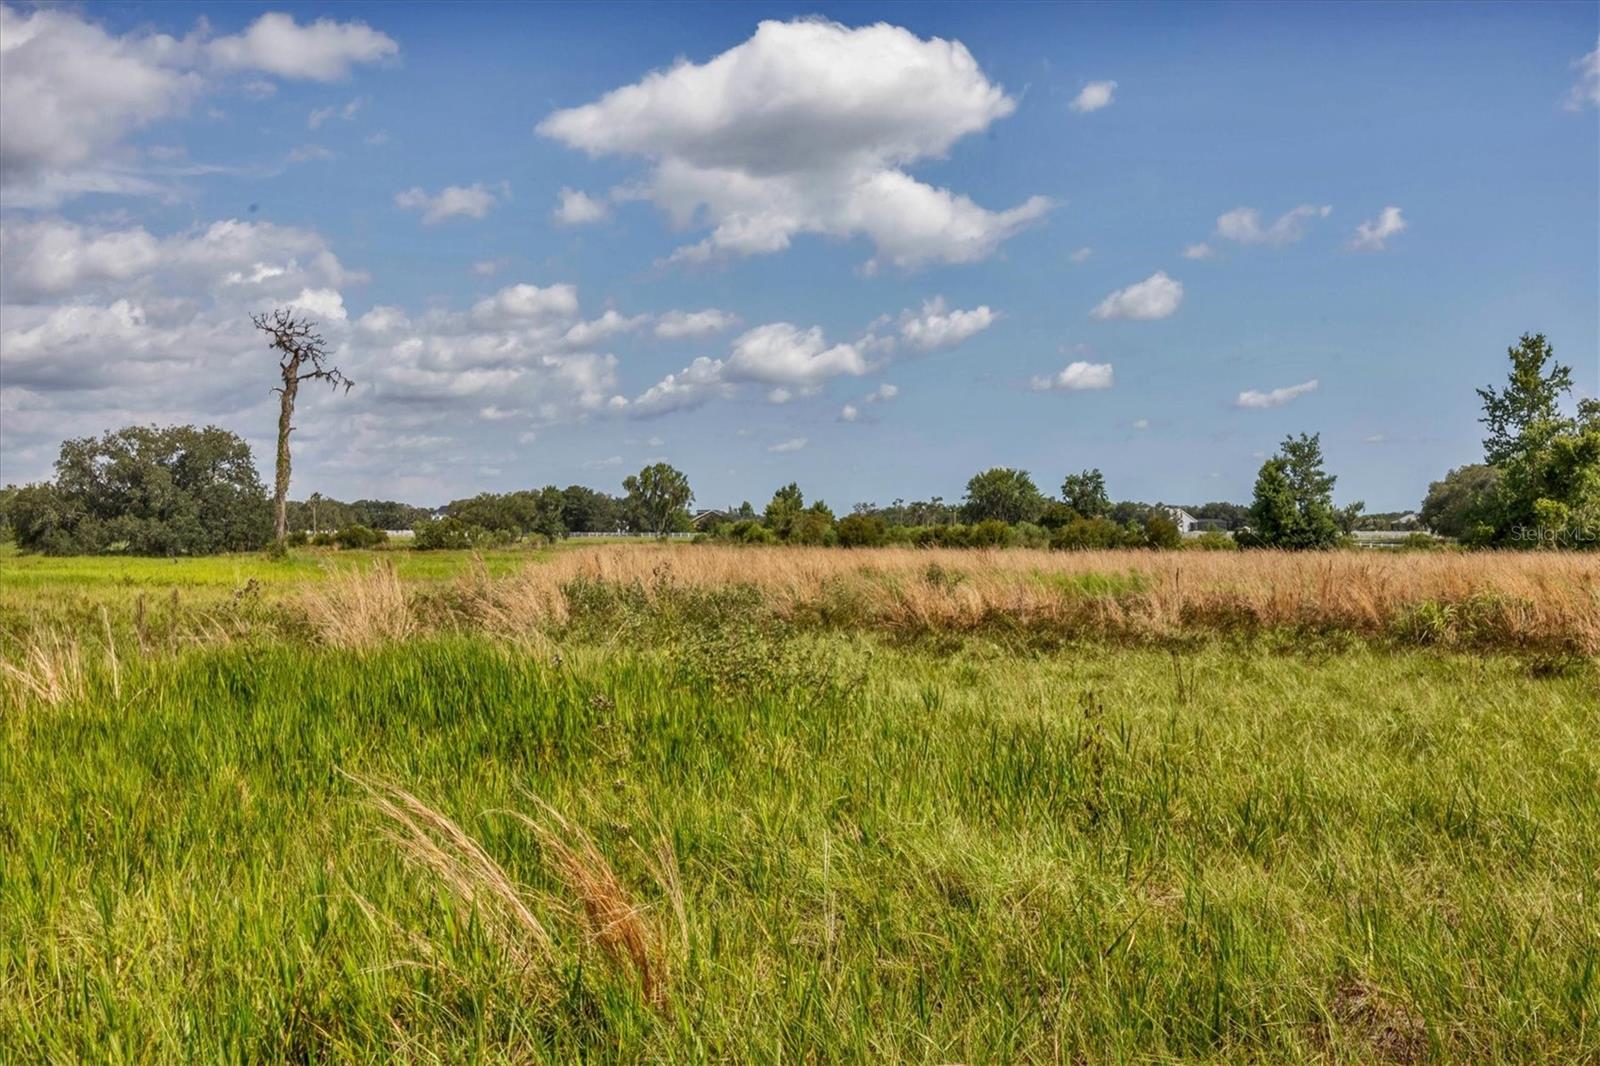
(1212, 541)
(1420, 542)
(359, 537)
(444, 534)
(990, 533)
(1086, 534)
(1162, 532)
(1028, 535)
(297, 539)
(861, 531)
(322, 540)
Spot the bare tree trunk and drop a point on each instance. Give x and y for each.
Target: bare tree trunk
(291, 385)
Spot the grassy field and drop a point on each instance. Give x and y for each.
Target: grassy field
(696, 804)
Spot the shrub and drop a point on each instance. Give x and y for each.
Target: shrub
(297, 539)
(359, 537)
(1083, 534)
(861, 531)
(436, 534)
(1160, 531)
(990, 533)
(1212, 541)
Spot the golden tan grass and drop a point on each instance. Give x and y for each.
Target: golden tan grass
(622, 930)
(47, 666)
(1516, 599)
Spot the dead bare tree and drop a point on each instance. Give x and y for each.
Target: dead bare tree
(300, 346)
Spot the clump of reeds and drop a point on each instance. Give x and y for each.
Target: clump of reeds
(360, 608)
(47, 667)
(623, 931)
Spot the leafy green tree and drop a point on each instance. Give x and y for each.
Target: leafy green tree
(1004, 495)
(1234, 514)
(387, 514)
(1293, 505)
(1464, 503)
(584, 510)
(148, 491)
(814, 525)
(658, 499)
(783, 510)
(1549, 464)
(1527, 410)
(1085, 493)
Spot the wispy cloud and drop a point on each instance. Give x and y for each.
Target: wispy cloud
(1256, 399)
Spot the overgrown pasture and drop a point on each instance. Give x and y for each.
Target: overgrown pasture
(702, 804)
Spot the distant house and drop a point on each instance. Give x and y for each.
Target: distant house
(1181, 518)
(1189, 525)
(705, 521)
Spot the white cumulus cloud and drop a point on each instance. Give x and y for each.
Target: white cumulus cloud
(676, 325)
(1094, 96)
(1198, 251)
(1076, 377)
(1243, 224)
(1373, 235)
(453, 201)
(806, 128)
(793, 444)
(939, 327)
(577, 208)
(1256, 399)
(1155, 297)
(70, 91)
(323, 50)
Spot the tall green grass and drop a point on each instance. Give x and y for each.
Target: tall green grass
(883, 854)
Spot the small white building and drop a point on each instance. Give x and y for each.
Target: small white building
(1182, 519)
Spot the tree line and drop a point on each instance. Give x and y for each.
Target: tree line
(184, 490)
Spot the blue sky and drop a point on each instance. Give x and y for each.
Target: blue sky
(871, 248)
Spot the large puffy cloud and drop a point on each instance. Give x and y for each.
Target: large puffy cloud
(106, 327)
(70, 91)
(323, 50)
(805, 128)
(1155, 297)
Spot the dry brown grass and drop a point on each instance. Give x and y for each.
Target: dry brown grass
(357, 608)
(1509, 599)
(610, 917)
(46, 666)
(1531, 601)
(623, 931)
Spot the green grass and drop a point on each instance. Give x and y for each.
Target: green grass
(21, 573)
(886, 854)
(956, 848)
